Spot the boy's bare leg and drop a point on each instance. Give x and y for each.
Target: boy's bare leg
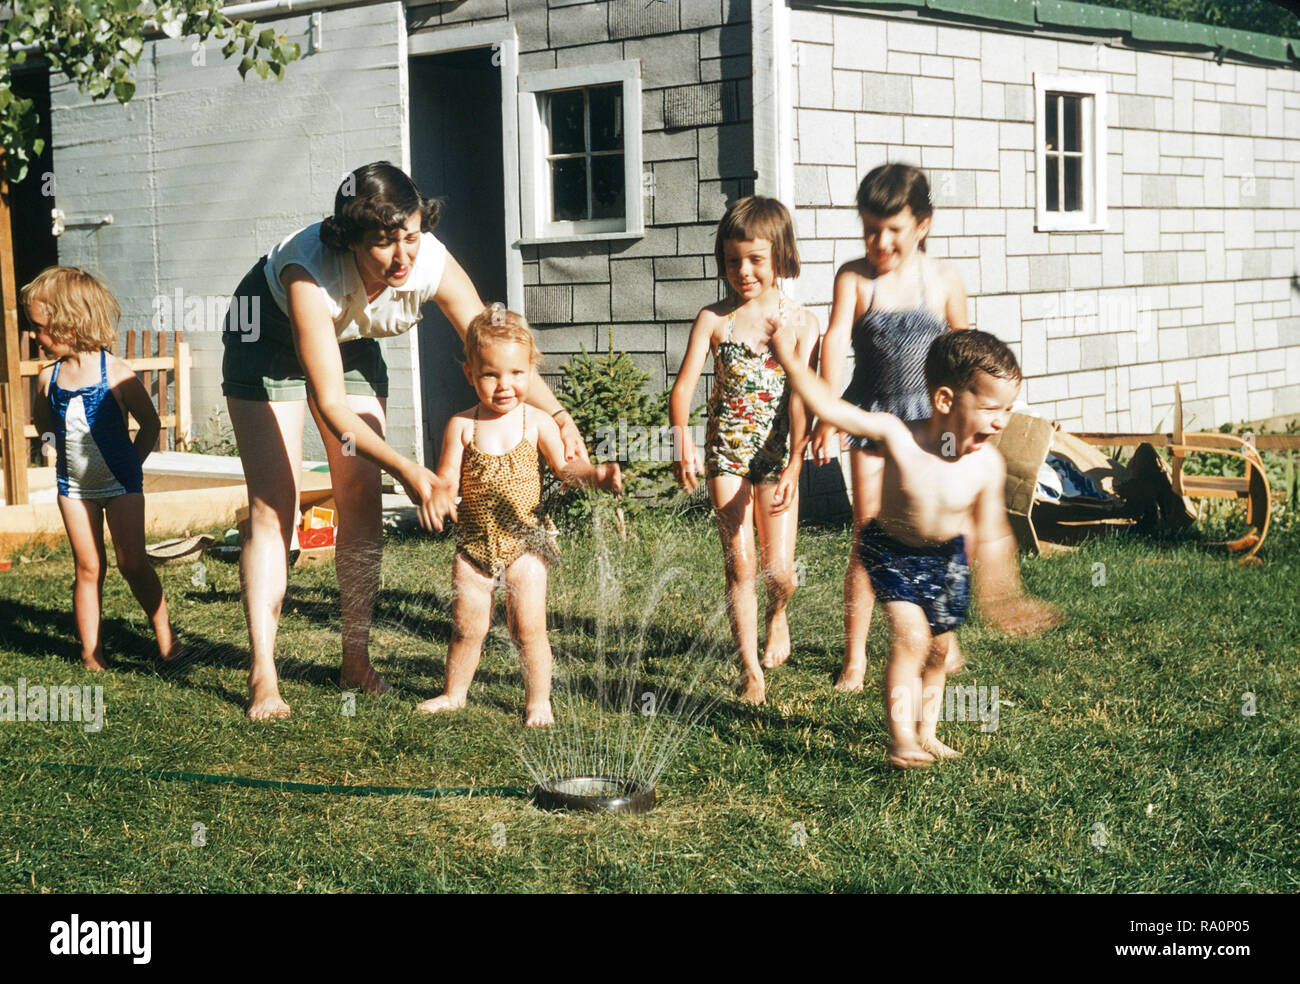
(866, 470)
(933, 682)
(125, 515)
(526, 616)
(471, 615)
(776, 541)
(909, 647)
(85, 524)
(269, 436)
(733, 511)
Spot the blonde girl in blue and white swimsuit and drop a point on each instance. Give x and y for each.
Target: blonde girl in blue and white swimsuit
(82, 403)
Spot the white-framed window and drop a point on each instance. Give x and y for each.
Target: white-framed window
(1070, 152)
(580, 130)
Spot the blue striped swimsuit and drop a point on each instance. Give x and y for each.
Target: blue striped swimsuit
(889, 349)
(96, 459)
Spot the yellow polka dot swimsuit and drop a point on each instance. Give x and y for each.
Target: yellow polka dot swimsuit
(500, 518)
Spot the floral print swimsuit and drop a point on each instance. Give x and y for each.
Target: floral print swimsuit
(749, 411)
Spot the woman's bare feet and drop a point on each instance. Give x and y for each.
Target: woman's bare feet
(364, 678)
(938, 749)
(94, 662)
(753, 689)
(437, 705)
(264, 700)
(539, 716)
(909, 755)
(777, 650)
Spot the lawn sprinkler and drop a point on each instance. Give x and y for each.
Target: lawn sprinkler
(595, 794)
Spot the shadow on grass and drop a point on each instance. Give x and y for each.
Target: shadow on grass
(670, 663)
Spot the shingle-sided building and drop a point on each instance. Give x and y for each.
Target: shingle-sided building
(1120, 192)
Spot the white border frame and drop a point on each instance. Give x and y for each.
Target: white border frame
(1096, 162)
(537, 229)
(774, 135)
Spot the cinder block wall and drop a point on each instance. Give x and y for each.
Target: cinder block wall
(204, 172)
(1204, 167)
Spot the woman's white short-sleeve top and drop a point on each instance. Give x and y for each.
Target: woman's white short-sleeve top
(393, 312)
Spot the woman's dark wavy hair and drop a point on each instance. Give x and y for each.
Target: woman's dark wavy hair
(376, 196)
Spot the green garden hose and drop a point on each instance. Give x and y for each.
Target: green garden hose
(278, 785)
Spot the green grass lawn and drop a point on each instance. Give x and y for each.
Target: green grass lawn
(1122, 760)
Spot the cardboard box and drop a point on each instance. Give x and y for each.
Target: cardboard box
(1042, 526)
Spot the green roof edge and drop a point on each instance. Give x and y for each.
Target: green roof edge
(1140, 27)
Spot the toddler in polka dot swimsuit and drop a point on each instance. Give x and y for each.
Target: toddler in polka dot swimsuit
(490, 452)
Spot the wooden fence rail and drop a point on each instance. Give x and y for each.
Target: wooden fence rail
(166, 377)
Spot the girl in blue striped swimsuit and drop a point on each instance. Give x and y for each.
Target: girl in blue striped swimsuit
(81, 406)
(890, 305)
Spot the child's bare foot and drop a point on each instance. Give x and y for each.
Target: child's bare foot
(168, 646)
(264, 701)
(777, 650)
(754, 689)
(851, 676)
(909, 755)
(366, 679)
(94, 662)
(436, 705)
(539, 716)
(938, 749)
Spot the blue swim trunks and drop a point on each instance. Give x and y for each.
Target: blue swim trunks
(935, 577)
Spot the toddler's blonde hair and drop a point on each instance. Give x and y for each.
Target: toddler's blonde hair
(83, 313)
(497, 324)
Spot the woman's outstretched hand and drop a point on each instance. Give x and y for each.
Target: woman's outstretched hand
(575, 448)
(433, 496)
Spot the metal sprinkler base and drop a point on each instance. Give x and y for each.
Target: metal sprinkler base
(595, 794)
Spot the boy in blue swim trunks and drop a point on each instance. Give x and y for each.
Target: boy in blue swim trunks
(940, 475)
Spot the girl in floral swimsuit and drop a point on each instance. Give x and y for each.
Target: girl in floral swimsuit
(756, 425)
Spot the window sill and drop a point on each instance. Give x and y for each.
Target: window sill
(580, 238)
(1080, 227)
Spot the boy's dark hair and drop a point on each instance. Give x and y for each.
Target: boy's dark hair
(376, 196)
(890, 188)
(956, 356)
(758, 217)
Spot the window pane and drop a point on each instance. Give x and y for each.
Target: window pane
(1053, 176)
(1049, 127)
(1073, 184)
(566, 122)
(607, 187)
(606, 117)
(568, 190)
(1071, 136)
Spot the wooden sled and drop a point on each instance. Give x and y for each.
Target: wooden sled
(1253, 486)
